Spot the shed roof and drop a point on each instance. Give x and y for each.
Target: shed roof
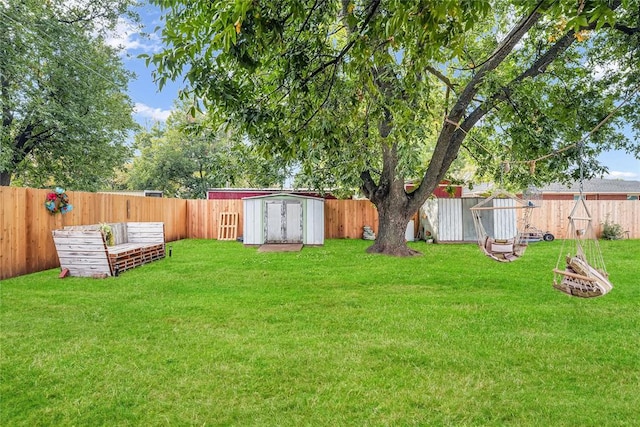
(283, 194)
(240, 193)
(601, 186)
(591, 186)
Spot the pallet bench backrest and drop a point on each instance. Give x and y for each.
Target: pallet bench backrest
(82, 252)
(145, 232)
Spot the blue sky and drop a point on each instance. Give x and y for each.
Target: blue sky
(153, 105)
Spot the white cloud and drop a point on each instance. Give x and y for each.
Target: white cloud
(602, 70)
(126, 36)
(157, 114)
(622, 175)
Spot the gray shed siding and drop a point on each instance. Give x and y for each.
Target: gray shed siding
(452, 221)
(314, 227)
(504, 220)
(302, 217)
(252, 224)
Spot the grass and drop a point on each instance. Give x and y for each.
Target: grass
(219, 334)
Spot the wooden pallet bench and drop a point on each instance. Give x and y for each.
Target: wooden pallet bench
(84, 252)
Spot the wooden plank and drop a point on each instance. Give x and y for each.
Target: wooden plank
(73, 261)
(79, 240)
(145, 226)
(493, 208)
(124, 247)
(575, 275)
(145, 238)
(79, 247)
(228, 226)
(81, 254)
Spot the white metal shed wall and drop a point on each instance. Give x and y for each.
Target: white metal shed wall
(504, 220)
(254, 214)
(450, 220)
(314, 226)
(252, 224)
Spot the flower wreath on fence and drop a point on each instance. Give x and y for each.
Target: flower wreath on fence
(58, 201)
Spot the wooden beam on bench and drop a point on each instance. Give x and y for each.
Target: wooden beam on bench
(575, 275)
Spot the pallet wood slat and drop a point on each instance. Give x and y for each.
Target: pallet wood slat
(79, 263)
(134, 257)
(228, 226)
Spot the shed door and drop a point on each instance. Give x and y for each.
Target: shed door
(468, 229)
(283, 222)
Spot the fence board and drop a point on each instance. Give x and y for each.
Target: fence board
(203, 217)
(553, 215)
(345, 219)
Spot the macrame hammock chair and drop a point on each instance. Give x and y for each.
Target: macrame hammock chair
(584, 274)
(513, 215)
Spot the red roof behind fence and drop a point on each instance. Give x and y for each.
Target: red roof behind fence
(241, 193)
(444, 190)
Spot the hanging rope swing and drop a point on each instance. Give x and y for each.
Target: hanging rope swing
(584, 274)
(508, 216)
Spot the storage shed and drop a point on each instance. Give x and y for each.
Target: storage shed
(451, 220)
(283, 218)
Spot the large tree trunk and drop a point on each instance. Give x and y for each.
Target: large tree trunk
(393, 217)
(395, 206)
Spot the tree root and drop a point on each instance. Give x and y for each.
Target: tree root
(392, 250)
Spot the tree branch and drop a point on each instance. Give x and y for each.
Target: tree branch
(324, 101)
(451, 136)
(368, 185)
(373, 7)
(444, 79)
(7, 114)
(537, 68)
(307, 19)
(627, 30)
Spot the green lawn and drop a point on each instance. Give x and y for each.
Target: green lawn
(219, 334)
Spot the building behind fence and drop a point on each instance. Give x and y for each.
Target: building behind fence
(26, 244)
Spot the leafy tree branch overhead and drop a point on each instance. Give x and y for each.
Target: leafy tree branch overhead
(379, 91)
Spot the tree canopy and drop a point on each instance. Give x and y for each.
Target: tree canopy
(385, 90)
(188, 155)
(66, 116)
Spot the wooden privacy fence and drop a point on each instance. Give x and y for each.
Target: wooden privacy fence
(26, 243)
(553, 216)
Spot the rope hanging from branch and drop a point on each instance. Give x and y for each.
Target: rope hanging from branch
(584, 274)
